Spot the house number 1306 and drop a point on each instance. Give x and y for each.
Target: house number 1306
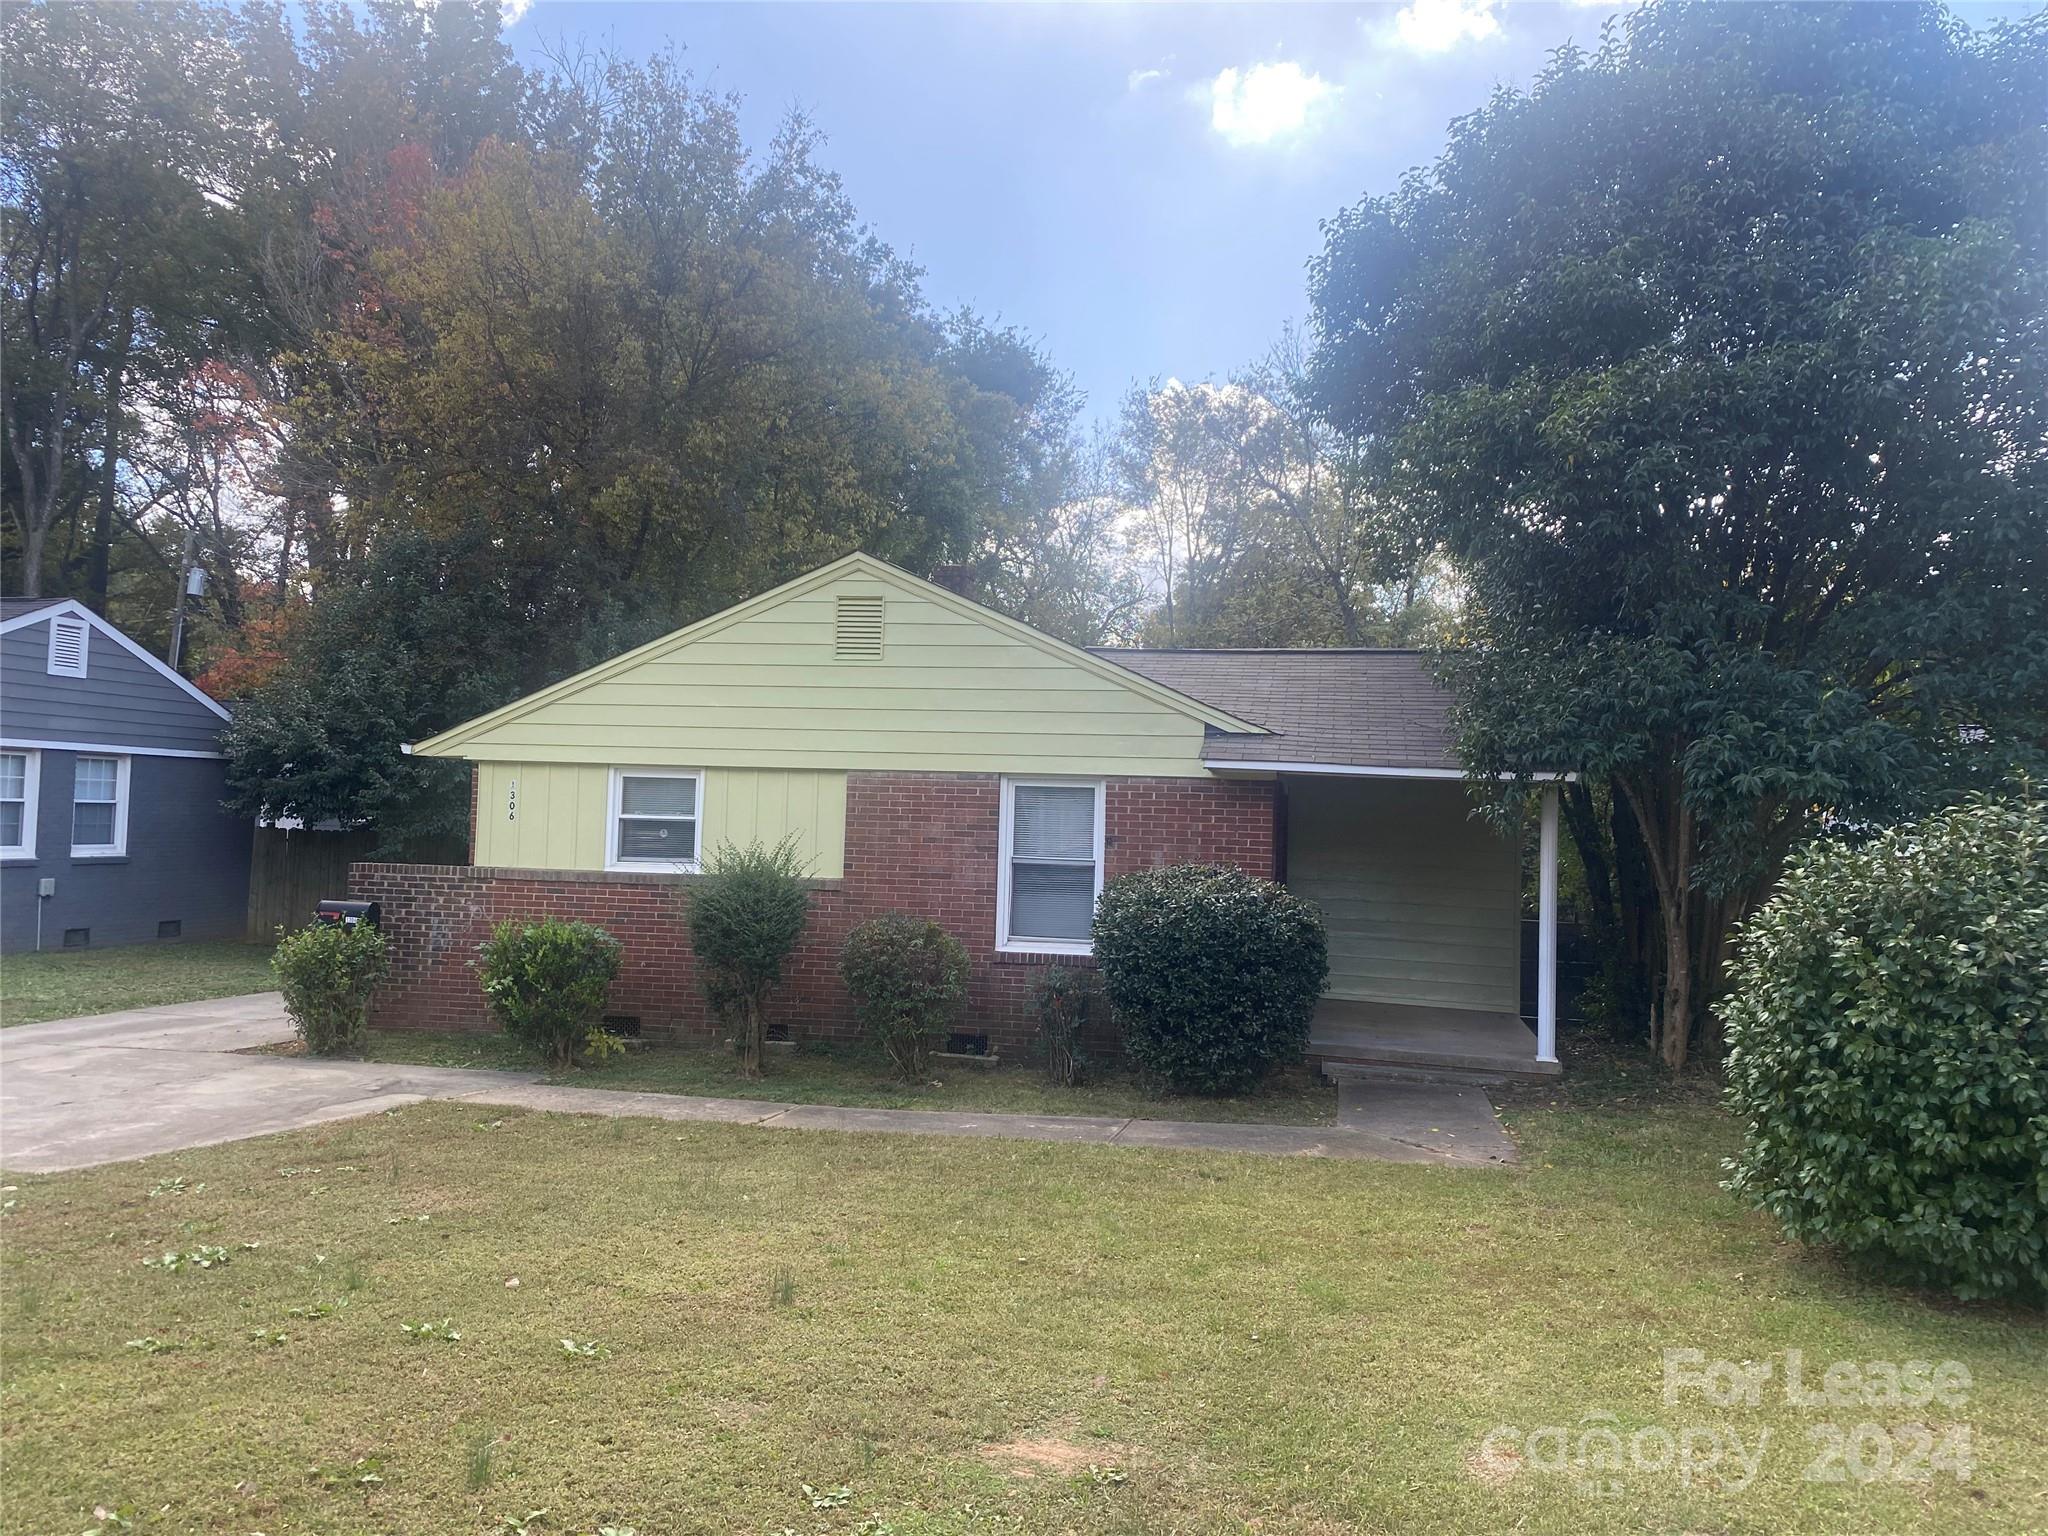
(512, 800)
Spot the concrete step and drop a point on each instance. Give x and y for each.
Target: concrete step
(1428, 1067)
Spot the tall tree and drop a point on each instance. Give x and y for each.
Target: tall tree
(1717, 362)
(1257, 524)
(125, 143)
(1061, 560)
(585, 388)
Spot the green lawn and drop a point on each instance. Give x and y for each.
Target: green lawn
(828, 1074)
(1231, 1344)
(59, 984)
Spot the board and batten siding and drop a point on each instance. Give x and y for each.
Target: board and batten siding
(1421, 899)
(552, 815)
(953, 691)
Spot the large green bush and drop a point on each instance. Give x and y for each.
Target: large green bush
(908, 978)
(327, 973)
(546, 984)
(746, 916)
(1213, 974)
(1887, 1051)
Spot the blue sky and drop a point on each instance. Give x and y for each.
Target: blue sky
(1139, 186)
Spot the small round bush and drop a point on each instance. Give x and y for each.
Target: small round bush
(546, 984)
(1887, 1054)
(1062, 997)
(1213, 974)
(327, 973)
(908, 978)
(746, 917)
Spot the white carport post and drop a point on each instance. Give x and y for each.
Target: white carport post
(1546, 931)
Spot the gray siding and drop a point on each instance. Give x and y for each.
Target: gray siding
(1422, 900)
(121, 701)
(187, 861)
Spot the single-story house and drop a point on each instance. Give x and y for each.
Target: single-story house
(931, 756)
(111, 781)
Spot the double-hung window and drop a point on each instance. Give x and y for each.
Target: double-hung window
(99, 807)
(1051, 857)
(655, 820)
(18, 774)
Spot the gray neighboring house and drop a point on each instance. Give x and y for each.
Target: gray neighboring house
(111, 782)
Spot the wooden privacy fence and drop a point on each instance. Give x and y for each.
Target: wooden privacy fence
(291, 870)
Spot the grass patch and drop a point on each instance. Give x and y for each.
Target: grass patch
(60, 985)
(809, 1331)
(860, 1078)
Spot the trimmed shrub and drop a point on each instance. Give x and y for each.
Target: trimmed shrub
(1062, 997)
(546, 984)
(908, 978)
(1213, 974)
(746, 916)
(1887, 1055)
(327, 973)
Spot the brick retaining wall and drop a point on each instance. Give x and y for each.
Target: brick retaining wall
(924, 844)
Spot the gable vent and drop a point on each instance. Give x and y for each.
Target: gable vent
(857, 629)
(67, 647)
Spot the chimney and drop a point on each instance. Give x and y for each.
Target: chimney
(956, 579)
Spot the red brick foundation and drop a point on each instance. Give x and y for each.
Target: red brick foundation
(920, 843)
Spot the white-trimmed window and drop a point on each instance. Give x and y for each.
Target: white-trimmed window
(99, 807)
(19, 773)
(656, 820)
(70, 646)
(1050, 865)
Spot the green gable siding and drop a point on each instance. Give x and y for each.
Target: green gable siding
(956, 689)
(1421, 899)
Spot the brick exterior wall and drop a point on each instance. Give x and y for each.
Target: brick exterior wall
(920, 843)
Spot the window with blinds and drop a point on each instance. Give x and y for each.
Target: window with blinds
(654, 821)
(1051, 865)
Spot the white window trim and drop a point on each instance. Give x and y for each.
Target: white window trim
(84, 627)
(617, 865)
(31, 786)
(105, 749)
(1005, 843)
(118, 848)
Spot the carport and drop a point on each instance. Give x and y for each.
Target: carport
(1421, 896)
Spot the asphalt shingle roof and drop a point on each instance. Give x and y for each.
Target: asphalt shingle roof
(1362, 708)
(15, 607)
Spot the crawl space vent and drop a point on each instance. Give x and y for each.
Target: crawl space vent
(857, 629)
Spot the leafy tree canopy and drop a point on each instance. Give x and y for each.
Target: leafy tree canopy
(1716, 360)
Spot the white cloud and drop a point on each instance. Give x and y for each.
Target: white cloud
(1437, 26)
(1138, 79)
(512, 11)
(1264, 102)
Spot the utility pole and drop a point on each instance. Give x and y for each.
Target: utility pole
(191, 583)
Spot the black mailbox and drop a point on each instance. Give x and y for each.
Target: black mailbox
(347, 913)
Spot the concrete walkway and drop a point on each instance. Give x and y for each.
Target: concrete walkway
(75, 1093)
(1456, 1122)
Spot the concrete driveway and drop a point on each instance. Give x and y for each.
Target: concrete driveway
(77, 1092)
